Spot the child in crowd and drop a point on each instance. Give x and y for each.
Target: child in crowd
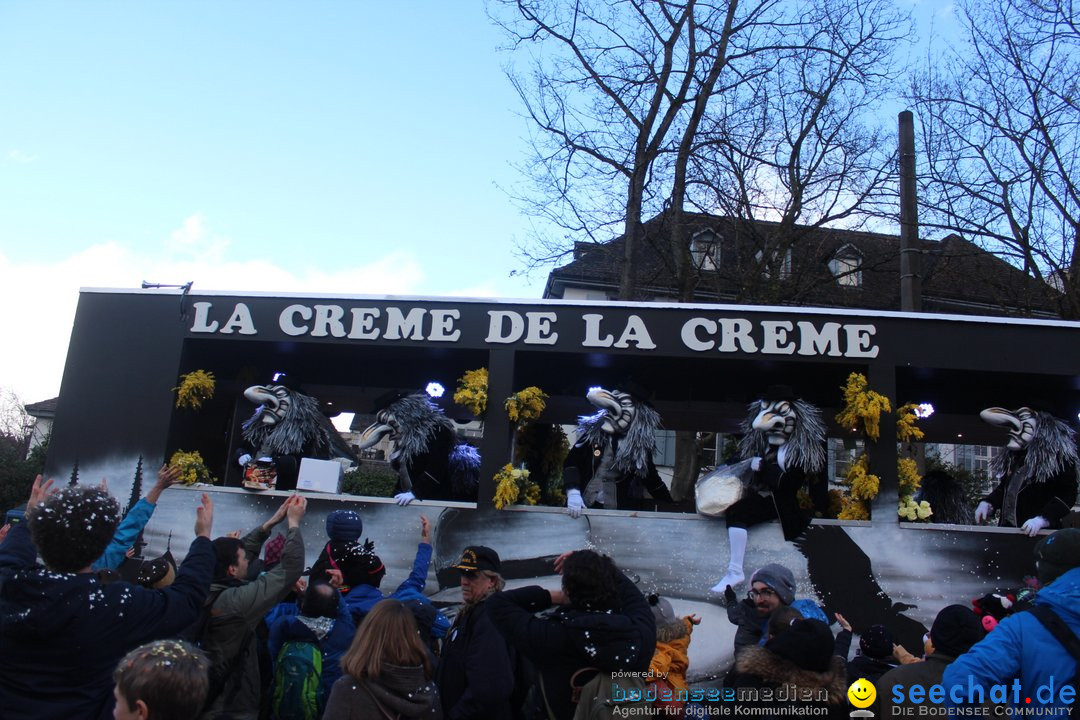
(162, 680)
(671, 659)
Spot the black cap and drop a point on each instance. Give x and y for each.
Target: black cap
(478, 557)
(956, 628)
(1057, 553)
(775, 393)
(637, 390)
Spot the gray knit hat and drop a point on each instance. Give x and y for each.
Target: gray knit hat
(779, 578)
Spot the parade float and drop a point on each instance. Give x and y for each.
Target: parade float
(194, 378)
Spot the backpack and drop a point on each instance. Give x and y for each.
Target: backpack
(1061, 632)
(296, 694)
(606, 696)
(222, 673)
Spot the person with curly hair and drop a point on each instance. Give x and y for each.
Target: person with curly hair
(162, 680)
(602, 622)
(61, 628)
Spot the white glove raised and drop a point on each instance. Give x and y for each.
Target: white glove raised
(982, 512)
(404, 498)
(1033, 525)
(755, 464)
(574, 503)
(243, 459)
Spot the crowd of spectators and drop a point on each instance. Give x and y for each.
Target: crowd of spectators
(235, 637)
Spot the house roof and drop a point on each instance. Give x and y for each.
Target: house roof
(958, 276)
(43, 409)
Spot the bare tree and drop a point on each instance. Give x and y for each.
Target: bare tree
(1000, 123)
(753, 109)
(606, 84)
(15, 423)
(803, 145)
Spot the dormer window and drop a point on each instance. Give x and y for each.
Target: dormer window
(783, 272)
(846, 266)
(705, 250)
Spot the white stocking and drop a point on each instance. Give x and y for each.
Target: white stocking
(734, 576)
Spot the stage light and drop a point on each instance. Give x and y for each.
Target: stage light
(434, 389)
(924, 410)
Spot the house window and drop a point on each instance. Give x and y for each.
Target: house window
(705, 250)
(783, 271)
(846, 266)
(842, 454)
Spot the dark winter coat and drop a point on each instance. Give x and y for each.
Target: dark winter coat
(1052, 499)
(1021, 647)
(583, 461)
(771, 681)
(399, 692)
(570, 639)
(864, 666)
(228, 638)
(332, 636)
(62, 634)
(926, 674)
(750, 627)
(476, 670)
(429, 471)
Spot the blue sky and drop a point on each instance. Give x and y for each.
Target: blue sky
(352, 147)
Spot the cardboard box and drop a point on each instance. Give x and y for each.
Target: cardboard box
(319, 475)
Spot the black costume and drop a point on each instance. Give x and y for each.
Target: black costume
(611, 462)
(782, 502)
(286, 427)
(430, 462)
(586, 463)
(786, 465)
(1019, 500)
(1037, 470)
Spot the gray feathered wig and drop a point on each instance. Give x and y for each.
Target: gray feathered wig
(805, 447)
(418, 420)
(636, 448)
(303, 429)
(1051, 450)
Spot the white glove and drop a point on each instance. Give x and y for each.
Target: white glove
(982, 513)
(243, 459)
(1033, 525)
(755, 464)
(574, 503)
(404, 498)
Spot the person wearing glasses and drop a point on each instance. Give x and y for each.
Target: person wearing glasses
(771, 587)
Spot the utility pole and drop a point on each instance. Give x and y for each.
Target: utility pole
(910, 247)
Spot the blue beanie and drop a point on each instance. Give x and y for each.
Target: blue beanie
(344, 526)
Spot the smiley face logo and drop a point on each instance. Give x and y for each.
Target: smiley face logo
(862, 693)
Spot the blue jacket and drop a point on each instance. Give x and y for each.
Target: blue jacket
(332, 636)
(62, 634)
(1020, 647)
(126, 534)
(362, 598)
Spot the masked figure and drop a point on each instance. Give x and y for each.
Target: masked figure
(430, 462)
(611, 462)
(287, 426)
(785, 437)
(1036, 472)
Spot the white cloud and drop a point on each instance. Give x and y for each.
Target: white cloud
(193, 240)
(18, 156)
(39, 299)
